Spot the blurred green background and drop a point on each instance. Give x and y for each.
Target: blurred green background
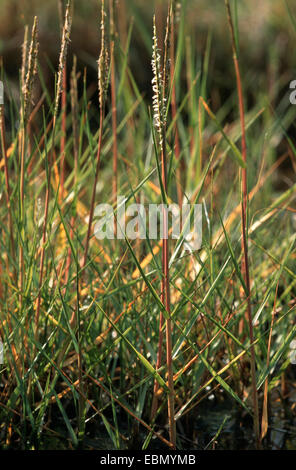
(267, 37)
(267, 31)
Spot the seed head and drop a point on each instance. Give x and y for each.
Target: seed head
(30, 70)
(63, 54)
(158, 87)
(103, 62)
(24, 58)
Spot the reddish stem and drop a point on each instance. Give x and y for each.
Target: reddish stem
(244, 208)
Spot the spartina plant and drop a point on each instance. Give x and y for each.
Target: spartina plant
(75, 130)
(64, 112)
(29, 69)
(113, 99)
(103, 72)
(244, 221)
(62, 59)
(160, 69)
(148, 329)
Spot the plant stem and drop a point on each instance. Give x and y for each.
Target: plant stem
(81, 399)
(74, 112)
(244, 209)
(174, 113)
(160, 85)
(167, 303)
(64, 130)
(114, 106)
(103, 81)
(42, 256)
(93, 198)
(7, 184)
(22, 180)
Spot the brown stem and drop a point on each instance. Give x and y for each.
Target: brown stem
(74, 112)
(64, 130)
(174, 114)
(114, 107)
(264, 421)
(158, 361)
(165, 284)
(167, 303)
(244, 208)
(81, 400)
(92, 205)
(42, 256)
(22, 182)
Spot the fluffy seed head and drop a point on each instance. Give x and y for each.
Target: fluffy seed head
(63, 54)
(158, 99)
(103, 62)
(30, 70)
(24, 58)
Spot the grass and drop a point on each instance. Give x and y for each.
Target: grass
(136, 344)
(244, 206)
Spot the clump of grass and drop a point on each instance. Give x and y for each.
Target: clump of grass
(120, 344)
